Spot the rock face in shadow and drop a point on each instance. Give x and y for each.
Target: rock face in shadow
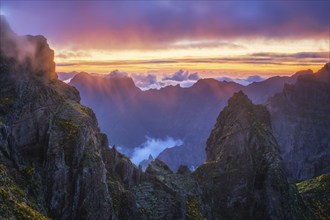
(316, 194)
(165, 195)
(243, 177)
(301, 124)
(55, 162)
(49, 143)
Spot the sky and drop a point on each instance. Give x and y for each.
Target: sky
(226, 38)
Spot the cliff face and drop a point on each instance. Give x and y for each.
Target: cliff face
(301, 124)
(244, 177)
(50, 144)
(55, 162)
(316, 194)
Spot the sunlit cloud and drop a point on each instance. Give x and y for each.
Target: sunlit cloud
(208, 37)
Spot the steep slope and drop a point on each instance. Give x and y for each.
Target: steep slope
(301, 124)
(316, 195)
(55, 162)
(50, 145)
(244, 177)
(53, 159)
(113, 101)
(259, 92)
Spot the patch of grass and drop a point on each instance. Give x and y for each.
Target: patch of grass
(69, 127)
(14, 202)
(193, 209)
(70, 140)
(316, 194)
(116, 190)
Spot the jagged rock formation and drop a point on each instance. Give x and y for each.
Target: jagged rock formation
(165, 195)
(301, 124)
(145, 163)
(51, 145)
(55, 162)
(316, 195)
(244, 177)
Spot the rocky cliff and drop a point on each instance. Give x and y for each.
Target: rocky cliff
(316, 195)
(55, 163)
(301, 124)
(244, 176)
(51, 145)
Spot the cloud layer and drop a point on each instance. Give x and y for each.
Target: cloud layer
(153, 146)
(160, 24)
(151, 81)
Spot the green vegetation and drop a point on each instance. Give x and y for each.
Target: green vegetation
(5, 104)
(14, 202)
(86, 110)
(116, 190)
(28, 172)
(316, 194)
(69, 127)
(193, 210)
(6, 101)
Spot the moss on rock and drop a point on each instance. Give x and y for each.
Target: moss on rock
(316, 194)
(13, 200)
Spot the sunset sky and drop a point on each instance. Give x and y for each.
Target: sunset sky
(213, 38)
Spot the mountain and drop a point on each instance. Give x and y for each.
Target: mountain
(53, 159)
(301, 124)
(55, 163)
(244, 177)
(66, 76)
(128, 115)
(261, 91)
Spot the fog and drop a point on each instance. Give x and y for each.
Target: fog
(153, 146)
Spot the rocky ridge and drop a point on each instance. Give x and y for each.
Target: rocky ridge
(55, 162)
(244, 177)
(51, 145)
(301, 125)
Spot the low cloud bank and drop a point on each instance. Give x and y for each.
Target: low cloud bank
(153, 146)
(151, 81)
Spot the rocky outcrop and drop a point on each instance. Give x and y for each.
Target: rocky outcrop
(51, 145)
(144, 163)
(301, 125)
(165, 195)
(243, 177)
(55, 162)
(59, 164)
(316, 195)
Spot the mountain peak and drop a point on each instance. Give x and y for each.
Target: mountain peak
(242, 149)
(5, 27)
(238, 99)
(30, 53)
(324, 73)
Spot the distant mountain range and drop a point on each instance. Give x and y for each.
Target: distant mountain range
(301, 123)
(56, 164)
(128, 115)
